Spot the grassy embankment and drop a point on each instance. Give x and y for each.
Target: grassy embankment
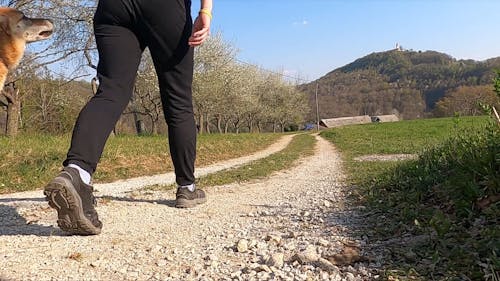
(438, 196)
(28, 162)
(300, 146)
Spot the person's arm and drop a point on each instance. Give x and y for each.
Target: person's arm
(201, 27)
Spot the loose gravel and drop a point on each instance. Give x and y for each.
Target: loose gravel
(295, 225)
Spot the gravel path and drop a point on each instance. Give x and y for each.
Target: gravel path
(295, 225)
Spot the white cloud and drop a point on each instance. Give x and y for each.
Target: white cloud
(302, 22)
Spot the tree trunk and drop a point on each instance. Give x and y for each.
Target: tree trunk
(208, 124)
(13, 109)
(259, 127)
(236, 125)
(219, 123)
(139, 124)
(154, 130)
(154, 126)
(250, 126)
(200, 124)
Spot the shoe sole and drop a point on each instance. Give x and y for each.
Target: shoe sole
(62, 196)
(186, 203)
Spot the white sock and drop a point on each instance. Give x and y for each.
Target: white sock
(190, 187)
(84, 175)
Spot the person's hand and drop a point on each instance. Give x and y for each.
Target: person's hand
(201, 30)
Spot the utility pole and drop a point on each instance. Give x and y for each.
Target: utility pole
(317, 106)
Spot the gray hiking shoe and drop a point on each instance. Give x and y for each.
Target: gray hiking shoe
(74, 203)
(187, 199)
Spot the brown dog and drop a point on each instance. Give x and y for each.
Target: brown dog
(15, 31)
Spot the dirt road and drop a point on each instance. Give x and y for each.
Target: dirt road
(294, 225)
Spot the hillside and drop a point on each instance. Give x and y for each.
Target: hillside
(408, 83)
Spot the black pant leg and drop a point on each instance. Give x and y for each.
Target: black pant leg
(168, 25)
(176, 95)
(119, 56)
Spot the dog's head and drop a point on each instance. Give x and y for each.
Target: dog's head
(17, 26)
(15, 31)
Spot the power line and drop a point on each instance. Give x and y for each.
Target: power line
(272, 71)
(282, 74)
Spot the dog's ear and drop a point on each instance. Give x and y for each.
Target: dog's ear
(4, 24)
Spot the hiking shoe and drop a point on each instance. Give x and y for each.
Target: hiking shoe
(74, 203)
(188, 199)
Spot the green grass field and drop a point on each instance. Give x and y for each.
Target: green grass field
(435, 195)
(406, 137)
(28, 162)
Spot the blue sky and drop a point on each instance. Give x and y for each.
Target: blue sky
(309, 38)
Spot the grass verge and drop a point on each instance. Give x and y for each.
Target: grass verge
(30, 161)
(300, 146)
(436, 197)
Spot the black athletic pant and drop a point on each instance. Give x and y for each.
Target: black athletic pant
(123, 28)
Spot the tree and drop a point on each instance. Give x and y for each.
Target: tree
(465, 101)
(214, 63)
(11, 96)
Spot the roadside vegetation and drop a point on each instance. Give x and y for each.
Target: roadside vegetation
(30, 161)
(440, 209)
(300, 146)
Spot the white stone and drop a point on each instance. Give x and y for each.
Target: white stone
(276, 260)
(242, 245)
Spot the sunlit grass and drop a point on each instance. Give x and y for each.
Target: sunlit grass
(435, 195)
(30, 161)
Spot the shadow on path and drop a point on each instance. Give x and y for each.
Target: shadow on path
(170, 203)
(9, 200)
(12, 223)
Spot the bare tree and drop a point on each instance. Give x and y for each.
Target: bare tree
(213, 63)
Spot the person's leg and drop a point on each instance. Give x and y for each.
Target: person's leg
(119, 57)
(168, 24)
(175, 85)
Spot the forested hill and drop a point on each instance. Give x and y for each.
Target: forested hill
(408, 83)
